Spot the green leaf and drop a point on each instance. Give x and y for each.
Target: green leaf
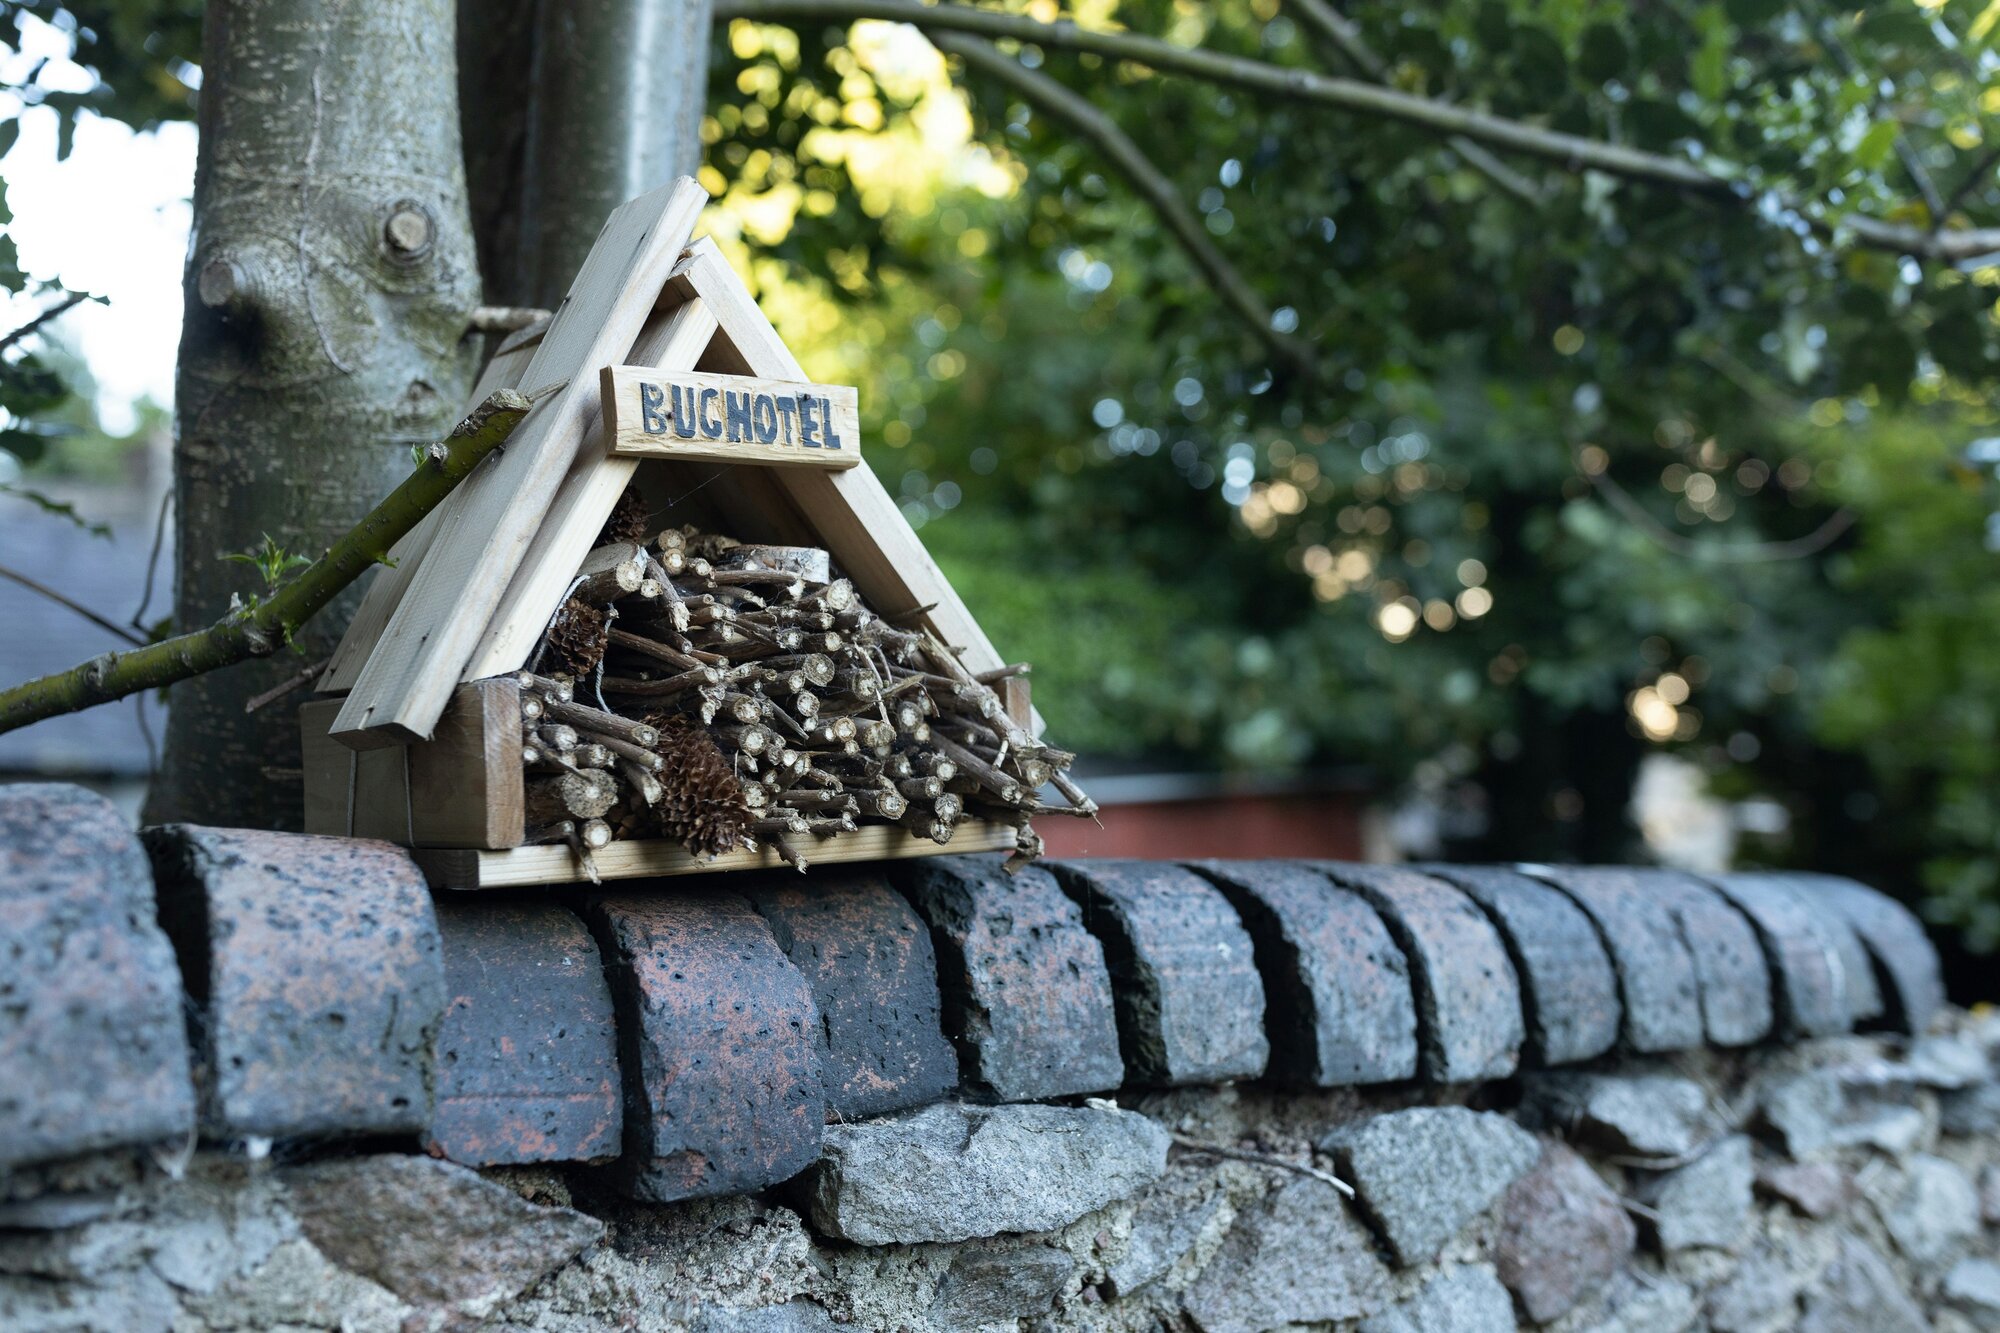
(1872, 153)
(62, 509)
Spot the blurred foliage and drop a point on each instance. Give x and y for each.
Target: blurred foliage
(1571, 482)
(131, 60)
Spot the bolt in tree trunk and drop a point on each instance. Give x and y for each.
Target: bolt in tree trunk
(617, 89)
(329, 280)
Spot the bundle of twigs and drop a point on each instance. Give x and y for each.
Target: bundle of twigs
(727, 695)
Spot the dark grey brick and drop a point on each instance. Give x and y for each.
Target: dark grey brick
(1568, 990)
(1657, 986)
(528, 1054)
(1183, 973)
(1728, 960)
(1906, 965)
(93, 1050)
(1026, 994)
(717, 1037)
(1800, 952)
(1469, 1023)
(1853, 966)
(1338, 1004)
(315, 963)
(867, 957)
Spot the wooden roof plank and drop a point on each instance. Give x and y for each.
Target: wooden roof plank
(439, 622)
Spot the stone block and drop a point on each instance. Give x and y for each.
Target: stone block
(1859, 1293)
(1563, 1234)
(528, 1053)
(1297, 1256)
(1802, 954)
(1657, 984)
(1813, 1189)
(1705, 1204)
(1462, 1300)
(1853, 967)
(1338, 1004)
(1027, 997)
(1469, 1023)
(1934, 1214)
(1183, 973)
(1641, 1115)
(316, 966)
(1421, 1175)
(436, 1234)
(1906, 964)
(868, 959)
(717, 1037)
(93, 1047)
(1973, 1286)
(987, 1287)
(1166, 1222)
(1569, 992)
(1729, 967)
(953, 1172)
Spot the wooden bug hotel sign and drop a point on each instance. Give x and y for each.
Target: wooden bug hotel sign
(730, 419)
(676, 626)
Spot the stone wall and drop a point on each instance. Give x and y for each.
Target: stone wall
(263, 1081)
(1839, 1184)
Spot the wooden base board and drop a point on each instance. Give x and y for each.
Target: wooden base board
(519, 867)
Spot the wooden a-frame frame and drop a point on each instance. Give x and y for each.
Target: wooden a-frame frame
(474, 586)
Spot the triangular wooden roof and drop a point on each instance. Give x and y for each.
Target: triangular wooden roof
(475, 585)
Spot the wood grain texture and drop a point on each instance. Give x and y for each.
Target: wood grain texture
(462, 788)
(673, 340)
(658, 858)
(648, 414)
(387, 585)
(437, 626)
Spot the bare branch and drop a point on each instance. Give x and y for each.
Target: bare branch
(1058, 102)
(32, 586)
(67, 303)
(266, 627)
(1574, 152)
(1337, 30)
(1740, 553)
(504, 318)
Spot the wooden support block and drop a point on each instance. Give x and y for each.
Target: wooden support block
(730, 418)
(461, 788)
(479, 546)
(660, 858)
(1014, 697)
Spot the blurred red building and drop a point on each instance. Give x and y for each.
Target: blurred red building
(1188, 816)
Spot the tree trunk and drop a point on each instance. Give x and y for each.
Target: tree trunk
(616, 92)
(329, 280)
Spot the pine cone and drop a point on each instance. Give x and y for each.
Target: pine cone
(579, 636)
(629, 521)
(703, 808)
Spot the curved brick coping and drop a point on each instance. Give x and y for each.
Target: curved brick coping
(867, 957)
(1853, 966)
(314, 965)
(1728, 959)
(1803, 958)
(716, 1035)
(1339, 1009)
(1657, 984)
(1190, 1004)
(1569, 994)
(93, 1052)
(527, 1058)
(1469, 1023)
(1906, 966)
(1026, 994)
